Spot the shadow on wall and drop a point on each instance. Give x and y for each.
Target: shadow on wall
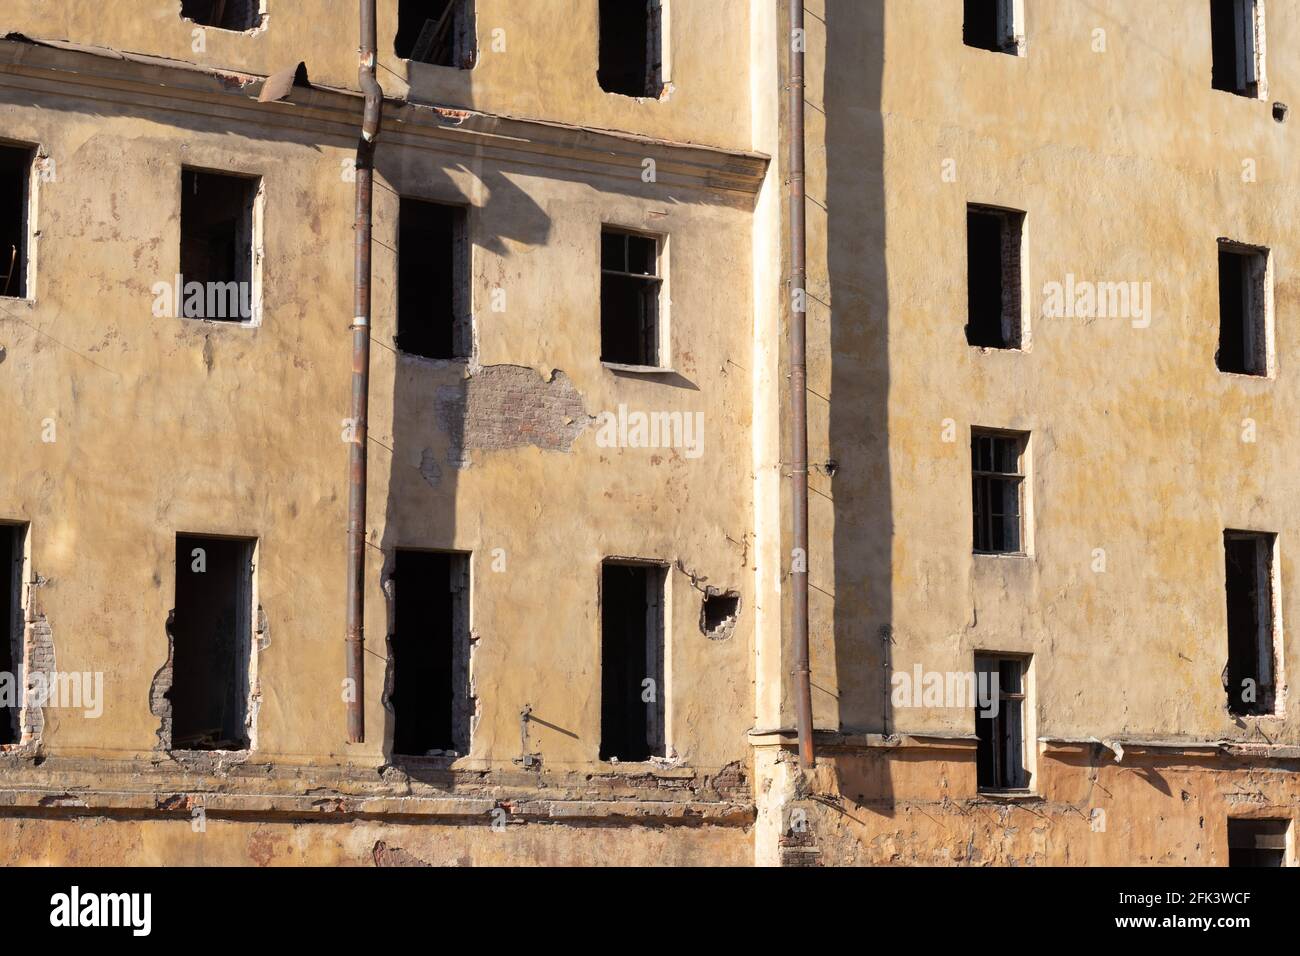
(856, 289)
(426, 301)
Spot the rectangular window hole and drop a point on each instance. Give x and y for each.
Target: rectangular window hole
(237, 15)
(12, 656)
(429, 650)
(631, 661)
(15, 205)
(433, 315)
(1235, 43)
(993, 282)
(1244, 319)
(997, 491)
(1257, 842)
(217, 212)
(991, 25)
(438, 32)
(629, 298)
(212, 643)
(1000, 753)
(1248, 579)
(631, 47)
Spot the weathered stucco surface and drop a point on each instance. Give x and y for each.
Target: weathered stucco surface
(1128, 167)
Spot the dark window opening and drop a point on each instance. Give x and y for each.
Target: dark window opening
(15, 183)
(1257, 842)
(217, 245)
(211, 634)
(11, 614)
(1000, 753)
(223, 14)
(1233, 25)
(989, 25)
(993, 277)
(429, 646)
(439, 32)
(997, 481)
(631, 661)
(1248, 560)
(1243, 304)
(629, 299)
(432, 280)
(719, 613)
(631, 47)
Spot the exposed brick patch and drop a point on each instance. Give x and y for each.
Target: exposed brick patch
(799, 848)
(385, 855)
(39, 659)
(160, 704)
(510, 406)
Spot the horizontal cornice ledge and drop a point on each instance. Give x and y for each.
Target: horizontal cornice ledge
(142, 82)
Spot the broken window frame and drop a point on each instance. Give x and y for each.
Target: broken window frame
(1014, 313)
(23, 256)
(455, 31)
(1249, 837)
(657, 726)
(1267, 656)
(463, 702)
(654, 78)
(257, 16)
(1008, 33)
(653, 335)
(1011, 730)
(1256, 276)
(248, 625)
(462, 269)
(1246, 72)
(249, 238)
(982, 483)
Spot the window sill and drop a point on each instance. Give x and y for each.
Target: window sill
(639, 369)
(655, 767)
(1009, 796)
(429, 360)
(1002, 554)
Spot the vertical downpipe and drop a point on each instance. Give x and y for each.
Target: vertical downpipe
(356, 596)
(798, 387)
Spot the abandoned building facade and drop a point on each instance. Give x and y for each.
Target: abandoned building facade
(1052, 519)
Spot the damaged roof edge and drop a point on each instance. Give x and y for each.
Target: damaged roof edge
(711, 166)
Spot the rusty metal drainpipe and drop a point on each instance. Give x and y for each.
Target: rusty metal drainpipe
(798, 389)
(374, 101)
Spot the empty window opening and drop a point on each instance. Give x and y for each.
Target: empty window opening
(12, 658)
(223, 14)
(1257, 842)
(1248, 560)
(993, 289)
(212, 644)
(15, 186)
(439, 32)
(631, 43)
(997, 491)
(631, 661)
(1243, 309)
(433, 317)
(992, 25)
(718, 615)
(429, 647)
(1000, 754)
(629, 298)
(217, 212)
(1236, 41)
